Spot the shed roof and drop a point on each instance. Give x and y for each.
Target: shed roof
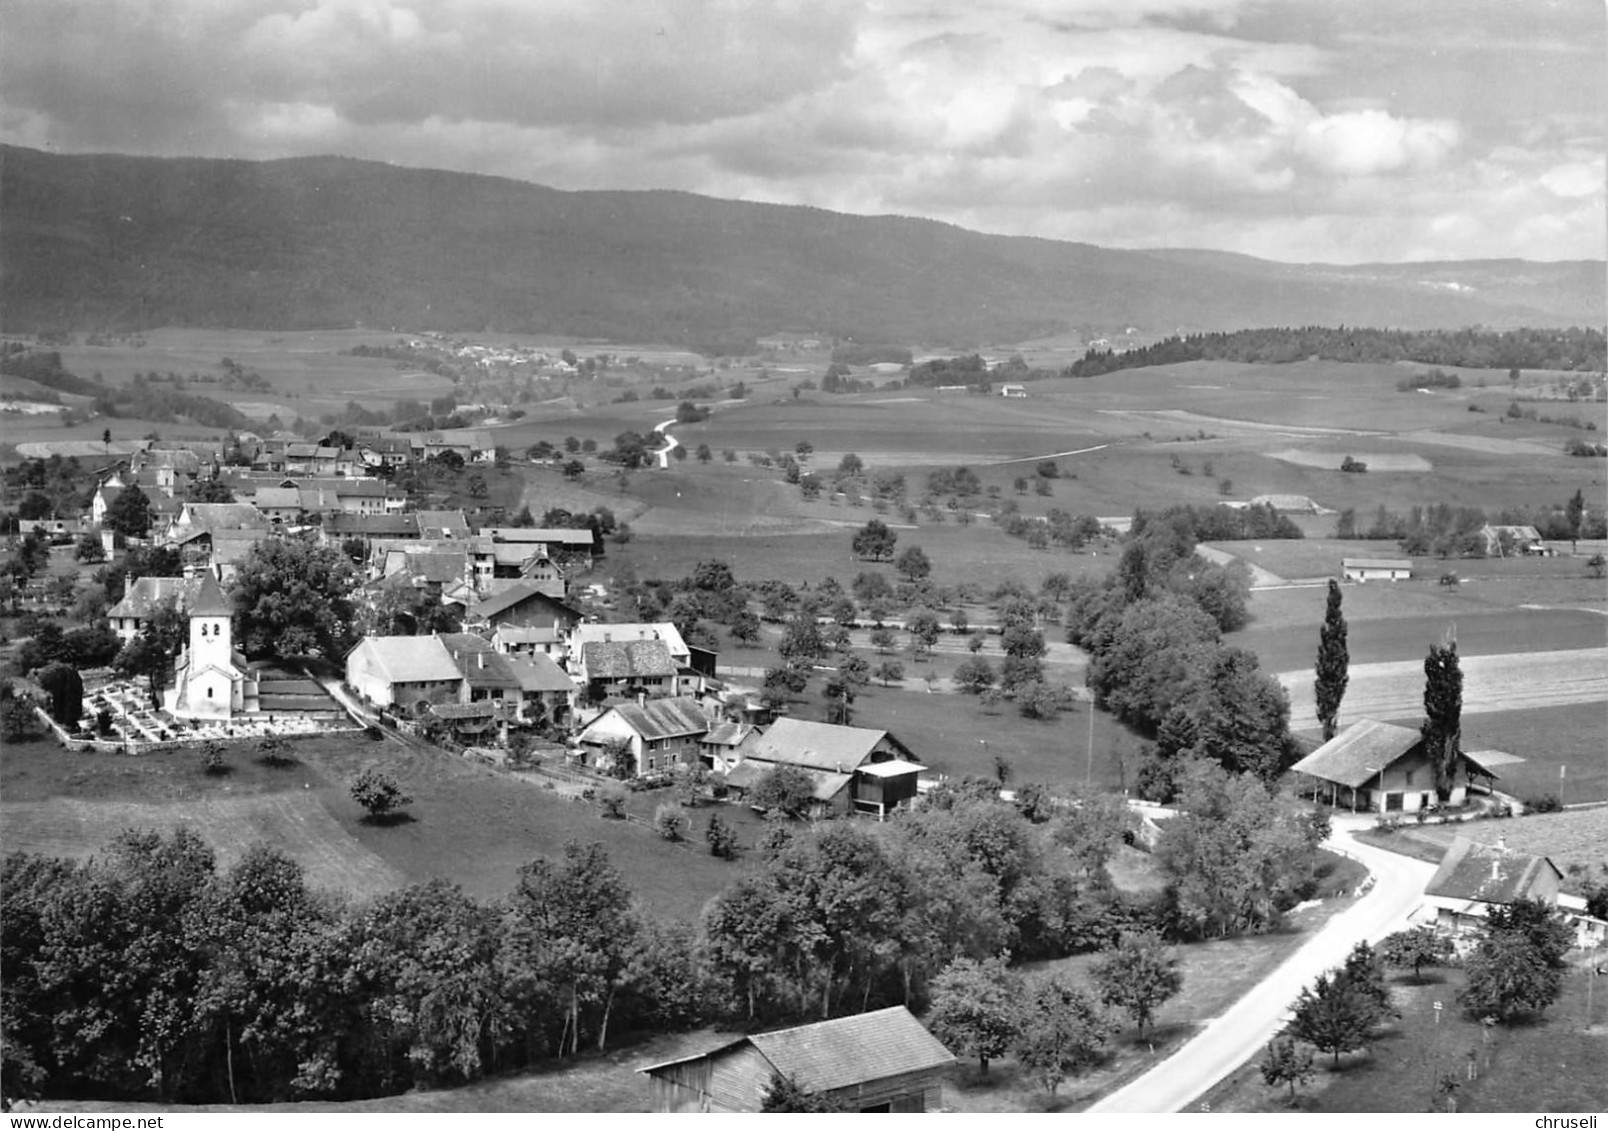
(1376, 563)
(893, 769)
(1487, 873)
(844, 1052)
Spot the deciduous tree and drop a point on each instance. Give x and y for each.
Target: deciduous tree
(1063, 1032)
(976, 1008)
(1138, 976)
(1286, 1063)
(875, 541)
(293, 596)
(1416, 948)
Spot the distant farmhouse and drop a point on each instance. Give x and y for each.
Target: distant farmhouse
(1376, 569)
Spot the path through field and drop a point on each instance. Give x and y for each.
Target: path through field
(1514, 681)
(295, 822)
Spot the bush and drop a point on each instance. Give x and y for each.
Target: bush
(1350, 464)
(1545, 803)
(722, 837)
(612, 801)
(669, 820)
(212, 759)
(379, 794)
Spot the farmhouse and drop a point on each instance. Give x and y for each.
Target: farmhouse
(1384, 767)
(1013, 391)
(666, 632)
(522, 605)
(855, 769)
(1506, 541)
(1474, 877)
(1376, 569)
(401, 671)
(142, 598)
(624, 667)
(658, 733)
(882, 1061)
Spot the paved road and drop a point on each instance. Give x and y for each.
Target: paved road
(1240, 1033)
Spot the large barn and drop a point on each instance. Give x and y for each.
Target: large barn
(876, 1062)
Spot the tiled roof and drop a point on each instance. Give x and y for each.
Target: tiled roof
(820, 746)
(208, 600)
(224, 516)
(1376, 563)
(728, 733)
(518, 594)
(147, 594)
(442, 524)
(627, 659)
(1359, 752)
(842, 1053)
(1487, 873)
(538, 673)
(410, 659)
(664, 718)
(615, 633)
(853, 1050)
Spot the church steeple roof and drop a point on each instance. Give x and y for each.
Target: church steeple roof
(209, 600)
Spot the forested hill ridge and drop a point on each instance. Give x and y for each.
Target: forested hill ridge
(98, 242)
(1578, 349)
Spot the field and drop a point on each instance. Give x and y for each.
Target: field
(1565, 1052)
(1577, 837)
(470, 824)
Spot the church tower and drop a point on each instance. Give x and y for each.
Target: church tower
(211, 626)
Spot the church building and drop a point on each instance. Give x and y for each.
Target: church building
(210, 680)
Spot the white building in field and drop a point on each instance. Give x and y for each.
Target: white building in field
(1376, 569)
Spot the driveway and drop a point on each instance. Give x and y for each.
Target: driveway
(1241, 1032)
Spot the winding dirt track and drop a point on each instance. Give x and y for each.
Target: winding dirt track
(1514, 681)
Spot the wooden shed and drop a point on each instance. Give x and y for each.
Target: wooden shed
(882, 1061)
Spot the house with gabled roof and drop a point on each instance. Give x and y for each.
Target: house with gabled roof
(1475, 877)
(855, 769)
(142, 597)
(523, 605)
(402, 671)
(658, 734)
(882, 1061)
(665, 631)
(624, 667)
(1383, 767)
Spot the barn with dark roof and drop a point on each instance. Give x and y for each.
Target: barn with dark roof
(883, 1061)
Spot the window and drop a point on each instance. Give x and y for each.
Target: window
(1410, 774)
(209, 693)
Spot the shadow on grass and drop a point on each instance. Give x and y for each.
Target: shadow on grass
(387, 820)
(222, 771)
(277, 762)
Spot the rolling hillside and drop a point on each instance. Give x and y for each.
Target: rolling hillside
(106, 242)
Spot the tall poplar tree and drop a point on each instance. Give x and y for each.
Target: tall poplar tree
(1334, 663)
(1443, 713)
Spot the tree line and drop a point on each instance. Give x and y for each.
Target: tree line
(1153, 629)
(150, 971)
(1572, 349)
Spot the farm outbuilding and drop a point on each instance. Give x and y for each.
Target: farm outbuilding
(1384, 767)
(883, 1061)
(1376, 569)
(1474, 877)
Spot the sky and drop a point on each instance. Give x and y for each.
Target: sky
(1340, 131)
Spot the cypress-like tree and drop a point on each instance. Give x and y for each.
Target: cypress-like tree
(1334, 663)
(1443, 713)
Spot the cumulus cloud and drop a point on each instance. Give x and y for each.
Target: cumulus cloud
(1279, 127)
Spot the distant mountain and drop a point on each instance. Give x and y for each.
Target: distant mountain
(105, 242)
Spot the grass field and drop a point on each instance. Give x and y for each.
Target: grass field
(1570, 838)
(470, 824)
(1557, 1064)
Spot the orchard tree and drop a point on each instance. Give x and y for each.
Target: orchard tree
(1517, 967)
(1286, 1063)
(1063, 1031)
(293, 596)
(889, 672)
(721, 837)
(974, 675)
(1138, 976)
(1416, 948)
(913, 564)
(1333, 665)
(875, 541)
(1336, 1014)
(976, 1008)
(1442, 728)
